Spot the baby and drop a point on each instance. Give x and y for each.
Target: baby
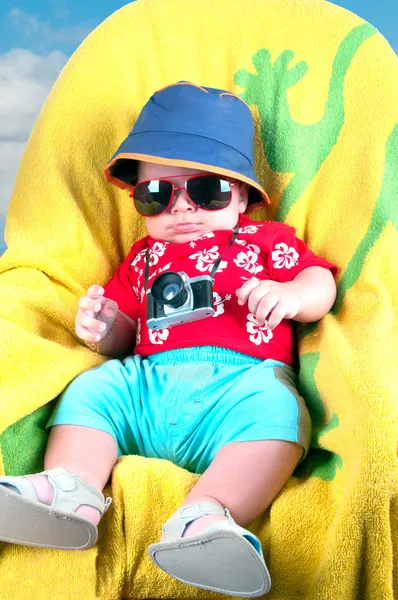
(197, 319)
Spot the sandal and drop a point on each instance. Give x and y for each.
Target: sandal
(26, 521)
(223, 557)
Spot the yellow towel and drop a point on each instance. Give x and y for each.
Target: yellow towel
(323, 87)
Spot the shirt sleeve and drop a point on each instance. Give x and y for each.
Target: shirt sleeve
(122, 288)
(288, 255)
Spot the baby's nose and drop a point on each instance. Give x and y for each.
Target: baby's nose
(181, 202)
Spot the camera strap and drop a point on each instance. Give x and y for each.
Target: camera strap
(214, 268)
(219, 259)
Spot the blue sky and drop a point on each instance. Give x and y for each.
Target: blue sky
(37, 38)
(50, 25)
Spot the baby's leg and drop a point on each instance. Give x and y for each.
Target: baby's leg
(244, 477)
(61, 507)
(258, 442)
(216, 554)
(252, 431)
(89, 453)
(90, 415)
(90, 426)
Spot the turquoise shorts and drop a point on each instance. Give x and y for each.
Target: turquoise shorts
(184, 405)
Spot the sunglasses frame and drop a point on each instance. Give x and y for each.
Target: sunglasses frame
(188, 177)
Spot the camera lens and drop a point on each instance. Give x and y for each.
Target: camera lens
(168, 289)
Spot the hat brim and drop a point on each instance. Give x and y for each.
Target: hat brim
(182, 150)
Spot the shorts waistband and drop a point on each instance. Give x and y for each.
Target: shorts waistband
(214, 355)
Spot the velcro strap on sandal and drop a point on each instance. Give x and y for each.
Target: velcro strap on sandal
(176, 525)
(70, 492)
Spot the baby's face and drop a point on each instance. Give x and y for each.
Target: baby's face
(183, 221)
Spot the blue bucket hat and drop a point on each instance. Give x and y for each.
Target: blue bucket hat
(187, 125)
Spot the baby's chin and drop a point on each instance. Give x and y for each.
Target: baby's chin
(174, 237)
(184, 238)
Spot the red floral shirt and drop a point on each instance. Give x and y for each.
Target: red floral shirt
(262, 250)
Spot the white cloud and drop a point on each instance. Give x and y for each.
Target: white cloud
(26, 80)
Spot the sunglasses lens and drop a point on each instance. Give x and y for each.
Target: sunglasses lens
(209, 192)
(152, 197)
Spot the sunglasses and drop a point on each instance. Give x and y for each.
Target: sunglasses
(208, 192)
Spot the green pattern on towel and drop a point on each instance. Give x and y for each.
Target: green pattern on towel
(289, 146)
(320, 462)
(24, 443)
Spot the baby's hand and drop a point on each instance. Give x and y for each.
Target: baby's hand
(95, 315)
(269, 301)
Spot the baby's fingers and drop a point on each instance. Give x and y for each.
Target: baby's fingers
(95, 291)
(85, 334)
(263, 307)
(108, 313)
(244, 292)
(109, 309)
(276, 315)
(91, 305)
(90, 323)
(88, 328)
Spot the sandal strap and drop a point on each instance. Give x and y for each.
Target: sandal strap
(70, 492)
(230, 525)
(23, 486)
(174, 528)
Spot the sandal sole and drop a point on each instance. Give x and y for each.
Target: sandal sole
(30, 523)
(222, 562)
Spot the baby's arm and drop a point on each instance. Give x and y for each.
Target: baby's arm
(308, 297)
(99, 322)
(316, 288)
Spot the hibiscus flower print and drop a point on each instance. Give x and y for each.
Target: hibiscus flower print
(210, 234)
(249, 229)
(207, 258)
(160, 270)
(157, 250)
(158, 336)
(258, 333)
(219, 303)
(283, 256)
(137, 259)
(247, 260)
